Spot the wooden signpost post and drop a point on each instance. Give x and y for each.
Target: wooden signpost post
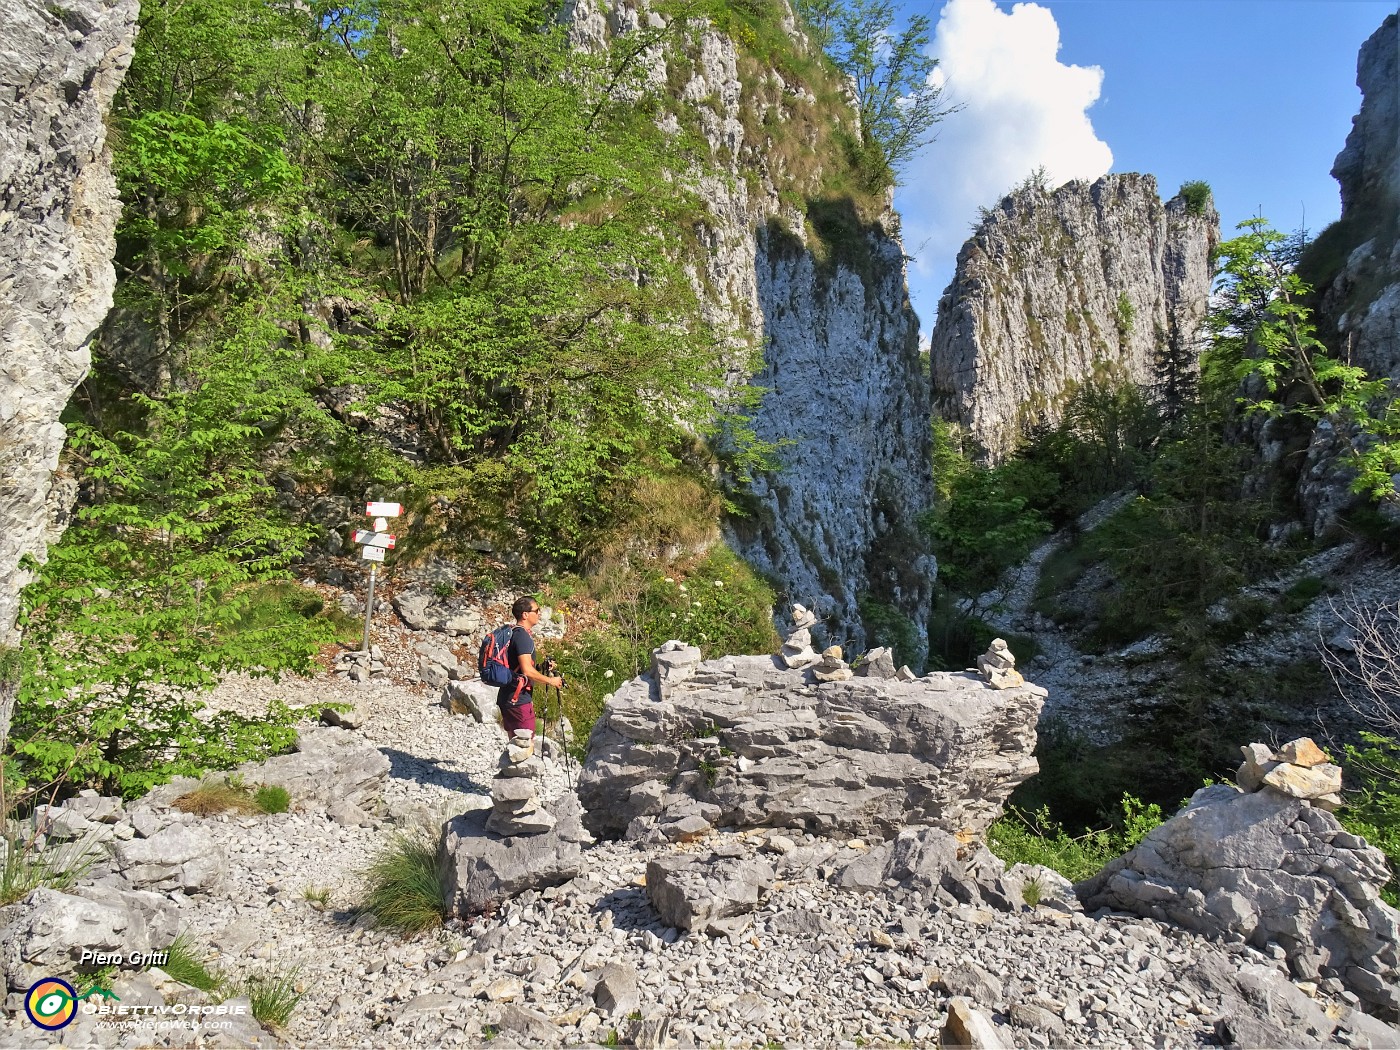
(375, 544)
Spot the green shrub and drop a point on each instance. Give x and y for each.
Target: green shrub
(1196, 194)
(983, 520)
(1035, 838)
(405, 884)
(270, 798)
(1372, 807)
(1125, 314)
(886, 625)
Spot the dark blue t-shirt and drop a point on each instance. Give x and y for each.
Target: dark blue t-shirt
(521, 644)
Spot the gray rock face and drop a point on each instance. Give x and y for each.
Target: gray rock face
(482, 868)
(47, 932)
(846, 397)
(178, 857)
(1359, 315)
(746, 742)
(694, 891)
(1266, 867)
(1364, 299)
(59, 68)
(1058, 287)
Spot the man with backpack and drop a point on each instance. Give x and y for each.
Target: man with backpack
(515, 652)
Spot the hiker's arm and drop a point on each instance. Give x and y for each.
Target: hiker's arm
(530, 671)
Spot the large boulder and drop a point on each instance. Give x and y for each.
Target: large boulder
(483, 868)
(1265, 867)
(756, 743)
(48, 931)
(330, 766)
(698, 891)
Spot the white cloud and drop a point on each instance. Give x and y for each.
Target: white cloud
(1023, 109)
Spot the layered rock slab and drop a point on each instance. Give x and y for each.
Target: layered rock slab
(747, 742)
(1266, 867)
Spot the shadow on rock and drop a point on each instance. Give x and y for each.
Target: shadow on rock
(403, 766)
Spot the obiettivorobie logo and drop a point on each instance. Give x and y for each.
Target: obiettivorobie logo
(52, 1003)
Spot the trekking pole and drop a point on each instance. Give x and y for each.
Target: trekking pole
(563, 742)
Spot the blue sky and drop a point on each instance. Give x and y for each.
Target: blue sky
(1253, 96)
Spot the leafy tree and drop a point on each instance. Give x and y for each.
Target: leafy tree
(199, 156)
(140, 605)
(900, 100)
(1263, 336)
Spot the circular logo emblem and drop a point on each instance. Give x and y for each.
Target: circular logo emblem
(51, 1003)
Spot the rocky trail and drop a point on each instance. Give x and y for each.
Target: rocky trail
(591, 962)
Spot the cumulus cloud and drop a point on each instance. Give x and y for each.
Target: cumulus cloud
(1023, 109)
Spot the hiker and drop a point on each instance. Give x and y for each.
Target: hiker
(516, 699)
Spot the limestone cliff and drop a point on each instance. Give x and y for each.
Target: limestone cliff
(60, 66)
(1059, 287)
(1362, 302)
(811, 269)
(1355, 267)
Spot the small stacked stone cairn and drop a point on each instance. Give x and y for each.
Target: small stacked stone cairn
(832, 667)
(360, 666)
(515, 806)
(998, 666)
(1299, 769)
(797, 648)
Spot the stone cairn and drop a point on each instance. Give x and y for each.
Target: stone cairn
(832, 667)
(360, 666)
(997, 666)
(797, 648)
(1299, 769)
(515, 805)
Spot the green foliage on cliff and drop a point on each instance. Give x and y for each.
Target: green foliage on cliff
(1196, 194)
(1264, 337)
(433, 212)
(444, 211)
(889, 66)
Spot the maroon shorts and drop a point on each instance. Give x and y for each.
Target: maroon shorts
(519, 716)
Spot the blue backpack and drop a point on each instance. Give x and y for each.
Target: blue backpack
(493, 662)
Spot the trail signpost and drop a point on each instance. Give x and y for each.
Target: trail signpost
(375, 544)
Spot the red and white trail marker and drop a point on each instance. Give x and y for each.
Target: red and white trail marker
(374, 539)
(375, 544)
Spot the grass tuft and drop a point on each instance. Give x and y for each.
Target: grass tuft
(272, 799)
(406, 884)
(24, 866)
(273, 996)
(186, 965)
(232, 794)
